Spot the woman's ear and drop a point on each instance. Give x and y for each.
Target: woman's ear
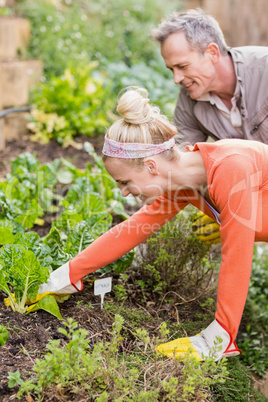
(152, 166)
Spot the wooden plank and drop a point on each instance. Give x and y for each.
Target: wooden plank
(14, 37)
(14, 86)
(15, 126)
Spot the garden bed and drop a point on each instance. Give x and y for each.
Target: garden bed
(29, 334)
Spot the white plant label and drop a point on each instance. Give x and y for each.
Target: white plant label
(102, 286)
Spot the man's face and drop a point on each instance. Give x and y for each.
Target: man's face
(194, 71)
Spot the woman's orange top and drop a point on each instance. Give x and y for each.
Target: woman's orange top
(237, 177)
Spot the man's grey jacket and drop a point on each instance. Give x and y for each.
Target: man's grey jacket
(198, 120)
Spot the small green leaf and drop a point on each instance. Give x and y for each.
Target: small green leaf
(49, 304)
(3, 335)
(14, 379)
(6, 236)
(65, 177)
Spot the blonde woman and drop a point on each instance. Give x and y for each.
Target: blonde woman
(227, 180)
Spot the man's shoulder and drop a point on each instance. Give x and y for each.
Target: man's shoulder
(248, 54)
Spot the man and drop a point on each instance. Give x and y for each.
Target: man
(224, 91)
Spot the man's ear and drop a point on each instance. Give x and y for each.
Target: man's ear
(151, 165)
(213, 52)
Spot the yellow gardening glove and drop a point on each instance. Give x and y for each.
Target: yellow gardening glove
(178, 348)
(207, 229)
(214, 341)
(59, 297)
(39, 222)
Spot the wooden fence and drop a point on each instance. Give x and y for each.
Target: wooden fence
(17, 76)
(244, 22)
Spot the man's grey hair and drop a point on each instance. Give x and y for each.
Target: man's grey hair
(200, 30)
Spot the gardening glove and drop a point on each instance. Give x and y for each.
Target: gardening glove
(59, 283)
(207, 229)
(214, 342)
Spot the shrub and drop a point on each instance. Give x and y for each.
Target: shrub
(152, 75)
(254, 338)
(175, 263)
(78, 102)
(76, 31)
(238, 386)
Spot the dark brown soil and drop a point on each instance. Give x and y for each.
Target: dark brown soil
(48, 152)
(29, 334)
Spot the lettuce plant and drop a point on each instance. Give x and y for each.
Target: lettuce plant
(21, 271)
(21, 274)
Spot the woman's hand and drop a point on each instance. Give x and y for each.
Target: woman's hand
(207, 229)
(214, 341)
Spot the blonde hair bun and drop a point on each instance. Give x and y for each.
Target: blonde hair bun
(134, 106)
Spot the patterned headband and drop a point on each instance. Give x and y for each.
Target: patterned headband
(133, 150)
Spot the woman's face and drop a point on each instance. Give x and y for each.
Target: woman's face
(138, 181)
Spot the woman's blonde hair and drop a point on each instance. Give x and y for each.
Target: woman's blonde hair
(141, 122)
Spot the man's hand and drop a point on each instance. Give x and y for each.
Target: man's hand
(213, 342)
(207, 229)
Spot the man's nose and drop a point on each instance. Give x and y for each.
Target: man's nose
(178, 76)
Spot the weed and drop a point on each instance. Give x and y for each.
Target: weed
(104, 373)
(120, 290)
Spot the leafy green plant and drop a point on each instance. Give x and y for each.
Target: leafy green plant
(24, 265)
(3, 335)
(16, 215)
(152, 75)
(120, 290)
(78, 102)
(32, 189)
(27, 192)
(21, 271)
